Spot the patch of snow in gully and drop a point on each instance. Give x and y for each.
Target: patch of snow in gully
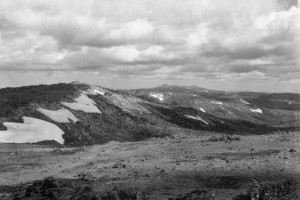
(61, 115)
(95, 90)
(258, 110)
(217, 102)
(83, 103)
(32, 130)
(99, 92)
(202, 110)
(197, 118)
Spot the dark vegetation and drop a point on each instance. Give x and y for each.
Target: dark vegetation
(286, 190)
(224, 138)
(2, 127)
(13, 99)
(278, 101)
(50, 143)
(87, 189)
(62, 189)
(175, 115)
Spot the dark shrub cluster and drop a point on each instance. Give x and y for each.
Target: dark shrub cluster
(53, 189)
(119, 194)
(285, 190)
(224, 138)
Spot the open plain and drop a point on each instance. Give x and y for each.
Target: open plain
(162, 167)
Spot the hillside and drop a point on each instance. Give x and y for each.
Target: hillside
(81, 114)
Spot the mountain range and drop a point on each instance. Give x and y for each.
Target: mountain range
(77, 114)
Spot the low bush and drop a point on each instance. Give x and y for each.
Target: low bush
(285, 190)
(56, 189)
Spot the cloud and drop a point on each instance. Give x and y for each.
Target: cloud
(133, 30)
(170, 38)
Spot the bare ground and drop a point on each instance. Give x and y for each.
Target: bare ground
(163, 167)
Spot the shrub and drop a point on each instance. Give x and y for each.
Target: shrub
(285, 190)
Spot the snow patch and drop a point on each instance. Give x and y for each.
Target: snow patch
(217, 102)
(245, 102)
(99, 92)
(197, 118)
(258, 110)
(95, 91)
(83, 103)
(61, 115)
(202, 110)
(32, 130)
(157, 95)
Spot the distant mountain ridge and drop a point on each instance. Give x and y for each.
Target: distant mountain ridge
(83, 114)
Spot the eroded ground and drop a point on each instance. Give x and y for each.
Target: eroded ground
(163, 167)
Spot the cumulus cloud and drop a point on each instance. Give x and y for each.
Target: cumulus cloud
(167, 38)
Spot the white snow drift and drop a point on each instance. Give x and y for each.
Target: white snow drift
(258, 110)
(197, 118)
(83, 103)
(94, 90)
(157, 95)
(102, 92)
(32, 130)
(202, 110)
(217, 102)
(61, 115)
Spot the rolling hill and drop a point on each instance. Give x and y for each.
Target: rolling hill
(80, 114)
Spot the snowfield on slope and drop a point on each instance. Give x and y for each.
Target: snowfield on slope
(257, 110)
(62, 115)
(157, 95)
(32, 130)
(83, 103)
(197, 118)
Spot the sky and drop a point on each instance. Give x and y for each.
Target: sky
(237, 45)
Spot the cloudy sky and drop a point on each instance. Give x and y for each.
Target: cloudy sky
(218, 44)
